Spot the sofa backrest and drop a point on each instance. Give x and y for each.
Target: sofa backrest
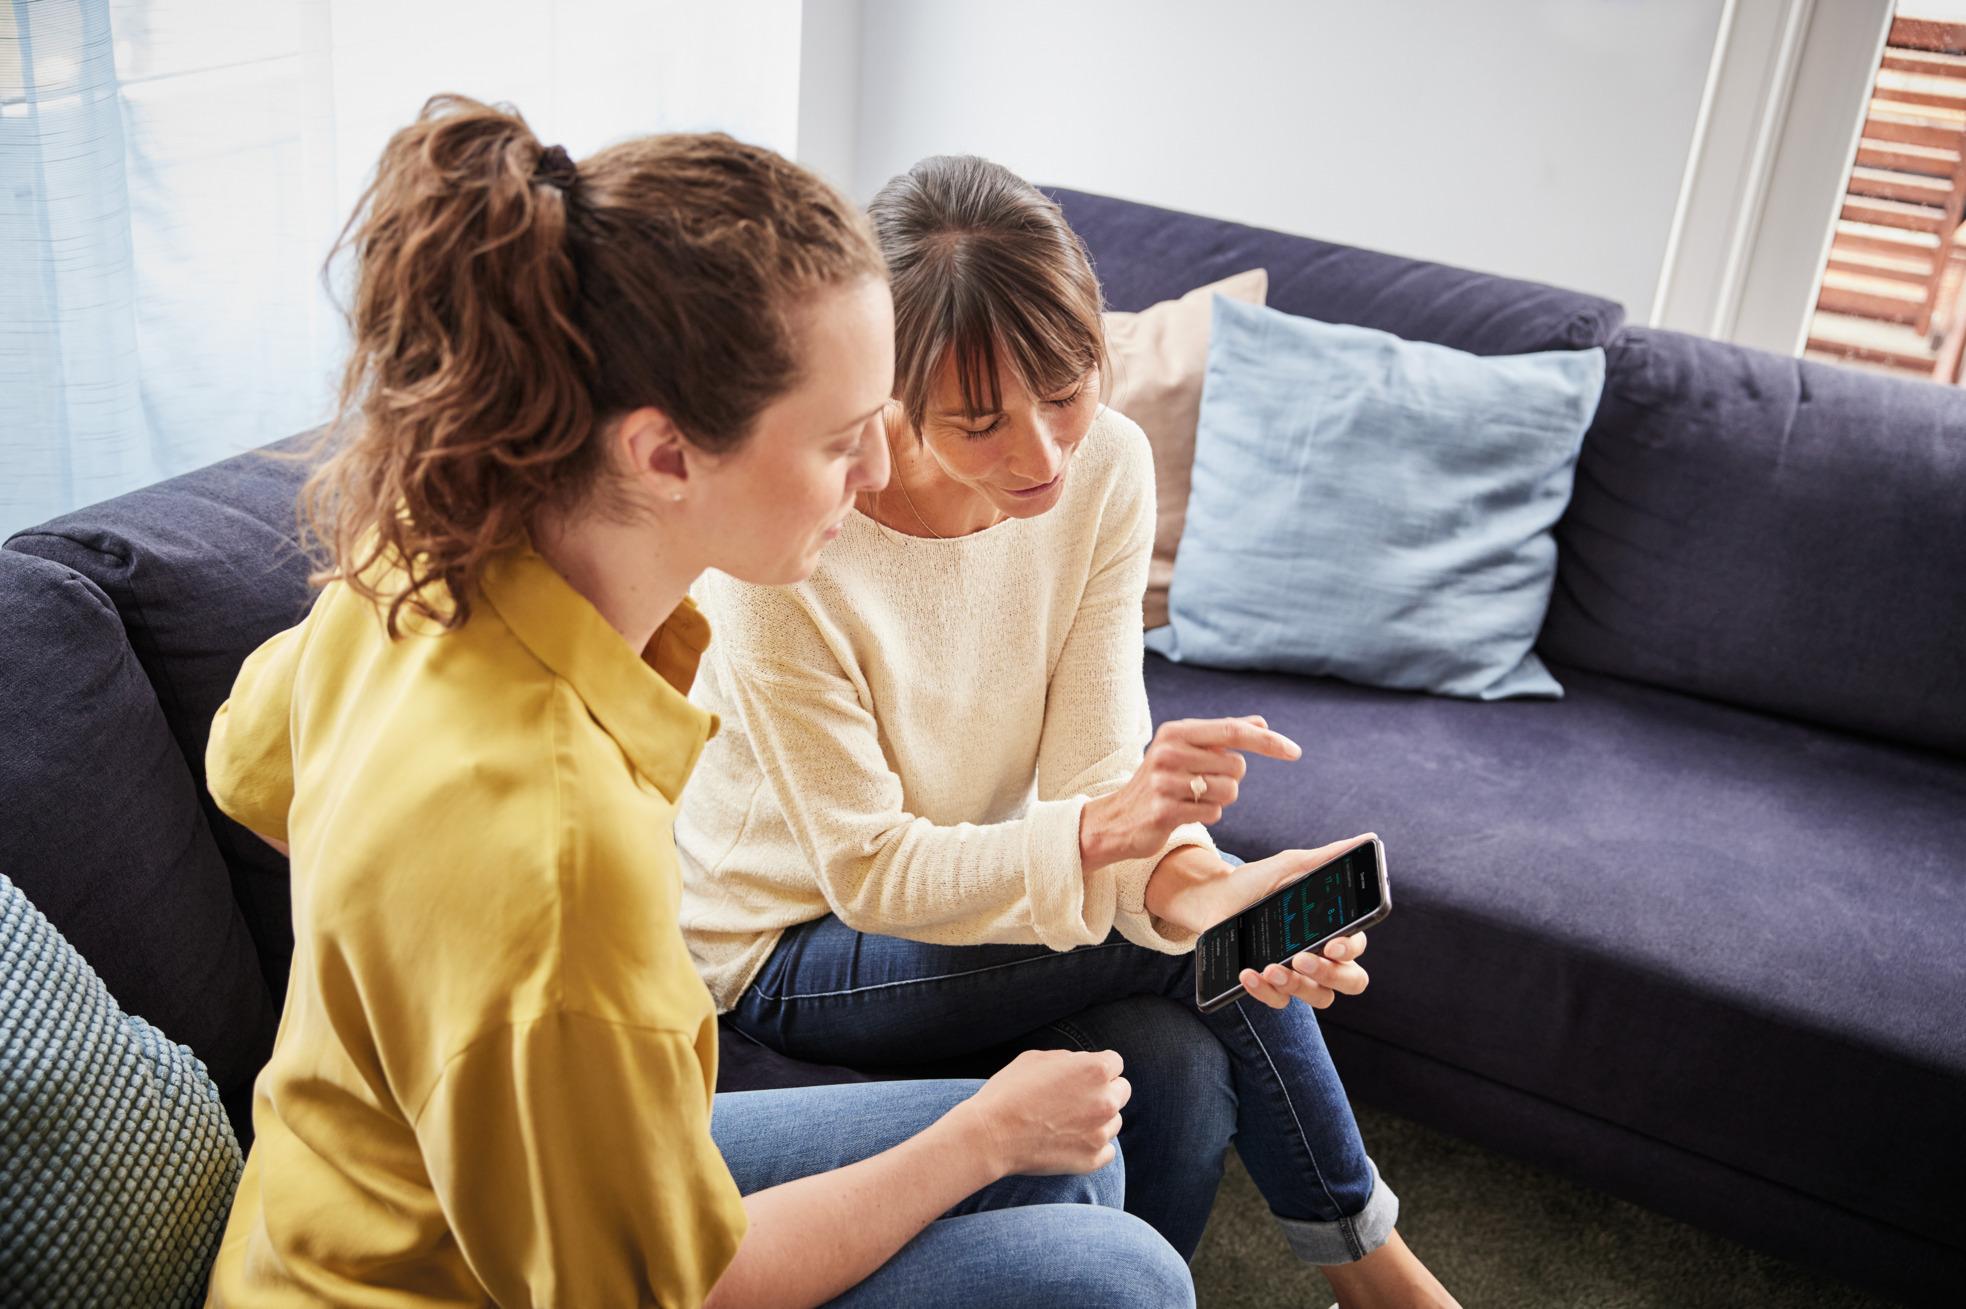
(1775, 533)
(1145, 254)
(199, 570)
(101, 828)
(1772, 532)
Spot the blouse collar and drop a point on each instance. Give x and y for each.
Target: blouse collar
(641, 701)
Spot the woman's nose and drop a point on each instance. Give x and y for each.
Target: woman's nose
(871, 471)
(1040, 459)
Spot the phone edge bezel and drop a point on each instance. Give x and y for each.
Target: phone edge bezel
(1377, 916)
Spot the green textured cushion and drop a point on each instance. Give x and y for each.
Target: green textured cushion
(117, 1163)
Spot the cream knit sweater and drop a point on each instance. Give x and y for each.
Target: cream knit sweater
(909, 735)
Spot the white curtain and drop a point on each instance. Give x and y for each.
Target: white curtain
(173, 172)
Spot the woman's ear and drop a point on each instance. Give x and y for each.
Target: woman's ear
(894, 422)
(654, 452)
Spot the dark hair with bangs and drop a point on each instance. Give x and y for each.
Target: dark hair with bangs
(983, 264)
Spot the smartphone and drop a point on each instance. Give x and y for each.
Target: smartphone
(1340, 896)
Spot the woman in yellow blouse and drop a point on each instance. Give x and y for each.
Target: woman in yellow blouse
(572, 389)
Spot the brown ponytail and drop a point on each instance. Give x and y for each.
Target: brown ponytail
(509, 303)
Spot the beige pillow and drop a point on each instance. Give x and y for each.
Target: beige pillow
(1159, 357)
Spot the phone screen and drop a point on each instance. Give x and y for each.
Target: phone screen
(1277, 927)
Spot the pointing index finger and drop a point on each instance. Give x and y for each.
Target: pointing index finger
(1241, 734)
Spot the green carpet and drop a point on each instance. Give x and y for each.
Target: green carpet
(1499, 1232)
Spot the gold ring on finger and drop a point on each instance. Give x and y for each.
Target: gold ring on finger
(1197, 787)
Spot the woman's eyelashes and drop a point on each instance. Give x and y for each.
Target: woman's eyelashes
(1063, 402)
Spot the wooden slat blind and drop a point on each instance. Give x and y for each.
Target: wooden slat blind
(1891, 294)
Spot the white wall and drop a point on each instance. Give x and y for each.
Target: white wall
(829, 88)
(1545, 139)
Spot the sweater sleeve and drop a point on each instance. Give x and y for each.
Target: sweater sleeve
(1097, 722)
(881, 868)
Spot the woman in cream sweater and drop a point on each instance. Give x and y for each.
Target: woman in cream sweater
(937, 822)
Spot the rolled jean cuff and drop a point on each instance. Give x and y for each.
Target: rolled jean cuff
(1349, 1239)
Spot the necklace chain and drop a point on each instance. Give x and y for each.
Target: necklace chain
(902, 482)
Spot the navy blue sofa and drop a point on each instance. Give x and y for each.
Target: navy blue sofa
(1690, 935)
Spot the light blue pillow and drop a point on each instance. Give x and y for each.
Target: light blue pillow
(117, 1162)
(1375, 509)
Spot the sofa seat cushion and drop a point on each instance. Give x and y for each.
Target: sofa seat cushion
(1736, 934)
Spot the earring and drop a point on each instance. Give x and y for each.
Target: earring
(676, 496)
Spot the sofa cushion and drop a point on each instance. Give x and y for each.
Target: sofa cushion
(103, 831)
(1143, 254)
(1735, 934)
(1771, 532)
(1375, 509)
(117, 1167)
(1158, 359)
(202, 569)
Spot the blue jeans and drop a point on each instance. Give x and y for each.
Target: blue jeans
(1018, 1242)
(1257, 1076)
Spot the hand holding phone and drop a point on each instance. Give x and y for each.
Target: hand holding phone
(1300, 940)
(1317, 979)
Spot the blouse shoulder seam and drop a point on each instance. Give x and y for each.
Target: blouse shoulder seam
(498, 1029)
